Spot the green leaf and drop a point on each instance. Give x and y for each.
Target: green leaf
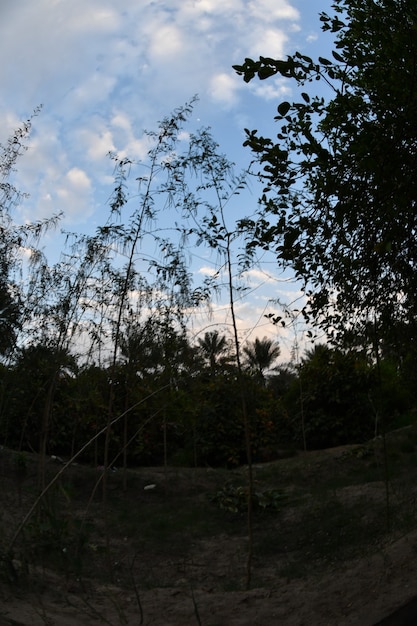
(266, 71)
(283, 108)
(338, 57)
(306, 97)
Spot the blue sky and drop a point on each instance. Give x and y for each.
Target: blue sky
(105, 70)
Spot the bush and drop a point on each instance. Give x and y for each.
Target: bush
(334, 399)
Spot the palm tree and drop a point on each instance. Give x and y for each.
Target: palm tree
(213, 347)
(261, 354)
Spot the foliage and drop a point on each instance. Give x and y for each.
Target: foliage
(198, 416)
(55, 537)
(261, 354)
(18, 242)
(218, 427)
(100, 337)
(339, 203)
(335, 389)
(37, 369)
(234, 499)
(391, 396)
(215, 349)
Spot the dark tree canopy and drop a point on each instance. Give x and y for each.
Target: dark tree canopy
(340, 197)
(261, 354)
(214, 347)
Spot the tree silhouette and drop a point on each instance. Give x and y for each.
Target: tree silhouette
(339, 181)
(261, 354)
(214, 348)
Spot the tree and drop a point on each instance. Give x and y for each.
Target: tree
(36, 385)
(214, 347)
(18, 242)
(9, 314)
(261, 354)
(340, 195)
(209, 224)
(334, 397)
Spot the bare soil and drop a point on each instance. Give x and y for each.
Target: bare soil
(170, 548)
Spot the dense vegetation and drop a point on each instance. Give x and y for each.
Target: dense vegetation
(339, 202)
(97, 349)
(191, 414)
(100, 361)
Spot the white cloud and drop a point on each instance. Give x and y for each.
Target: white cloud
(106, 71)
(121, 120)
(166, 42)
(269, 10)
(184, 136)
(269, 42)
(78, 179)
(127, 142)
(95, 89)
(70, 193)
(272, 89)
(207, 271)
(257, 276)
(95, 20)
(223, 89)
(97, 144)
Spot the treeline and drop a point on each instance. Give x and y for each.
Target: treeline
(97, 351)
(178, 403)
(95, 347)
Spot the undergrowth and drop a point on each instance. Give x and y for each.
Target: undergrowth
(176, 527)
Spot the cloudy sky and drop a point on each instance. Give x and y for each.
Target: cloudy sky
(104, 70)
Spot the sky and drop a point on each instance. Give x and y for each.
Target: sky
(105, 70)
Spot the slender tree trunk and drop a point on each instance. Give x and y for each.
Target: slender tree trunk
(246, 422)
(46, 416)
(380, 421)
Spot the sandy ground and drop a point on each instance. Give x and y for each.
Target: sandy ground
(360, 594)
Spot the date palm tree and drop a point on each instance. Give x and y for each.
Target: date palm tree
(260, 355)
(214, 348)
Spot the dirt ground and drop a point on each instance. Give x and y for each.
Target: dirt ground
(193, 585)
(360, 594)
